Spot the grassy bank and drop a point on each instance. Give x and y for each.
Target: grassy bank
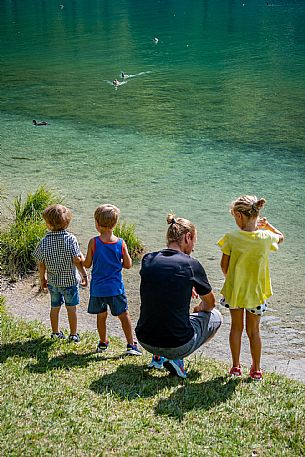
(63, 399)
(19, 239)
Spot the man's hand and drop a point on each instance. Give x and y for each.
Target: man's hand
(207, 303)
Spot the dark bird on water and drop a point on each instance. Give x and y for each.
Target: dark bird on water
(39, 122)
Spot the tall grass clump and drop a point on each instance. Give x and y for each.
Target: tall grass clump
(128, 233)
(34, 205)
(18, 241)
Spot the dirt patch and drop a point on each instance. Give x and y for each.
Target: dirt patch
(24, 300)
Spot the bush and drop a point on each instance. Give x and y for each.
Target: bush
(18, 242)
(34, 205)
(134, 244)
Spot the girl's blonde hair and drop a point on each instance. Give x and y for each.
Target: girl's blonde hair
(248, 205)
(107, 215)
(57, 216)
(177, 228)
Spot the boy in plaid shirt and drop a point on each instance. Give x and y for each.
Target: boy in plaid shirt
(59, 264)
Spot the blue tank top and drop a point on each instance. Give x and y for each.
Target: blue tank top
(106, 275)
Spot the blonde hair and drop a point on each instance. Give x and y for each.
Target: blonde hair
(248, 205)
(107, 215)
(177, 228)
(57, 216)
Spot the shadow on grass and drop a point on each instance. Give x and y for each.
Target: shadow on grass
(130, 382)
(69, 361)
(64, 361)
(39, 348)
(200, 396)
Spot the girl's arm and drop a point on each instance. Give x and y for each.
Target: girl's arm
(127, 262)
(264, 224)
(224, 263)
(89, 257)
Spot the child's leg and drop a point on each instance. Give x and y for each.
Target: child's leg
(101, 326)
(253, 332)
(126, 326)
(54, 317)
(71, 296)
(72, 317)
(237, 326)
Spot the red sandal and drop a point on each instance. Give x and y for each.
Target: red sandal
(256, 375)
(236, 371)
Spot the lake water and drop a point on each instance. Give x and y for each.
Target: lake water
(215, 109)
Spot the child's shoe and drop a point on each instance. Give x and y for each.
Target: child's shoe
(132, 349)
(102, 347)
(58, 335)
(256, 375)
(175, 367)
(74, 338)
(157, 362)
(236, 372)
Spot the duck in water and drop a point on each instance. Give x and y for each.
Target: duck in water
(39, 122)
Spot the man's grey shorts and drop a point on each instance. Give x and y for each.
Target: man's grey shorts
(205, 325)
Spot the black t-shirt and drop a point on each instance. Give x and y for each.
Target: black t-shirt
(167, 279)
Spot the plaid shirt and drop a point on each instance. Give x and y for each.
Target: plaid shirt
(56, 250)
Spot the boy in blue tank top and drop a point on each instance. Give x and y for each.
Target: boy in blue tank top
(107, 255)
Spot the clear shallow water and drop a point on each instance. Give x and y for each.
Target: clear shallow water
(218, 111)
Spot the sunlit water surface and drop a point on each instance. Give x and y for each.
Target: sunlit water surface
(214, 109)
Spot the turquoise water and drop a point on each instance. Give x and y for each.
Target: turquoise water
(215, 109)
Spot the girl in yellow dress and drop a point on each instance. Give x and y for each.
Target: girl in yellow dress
(245, 265)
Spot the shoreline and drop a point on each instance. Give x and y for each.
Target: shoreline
(22, 300)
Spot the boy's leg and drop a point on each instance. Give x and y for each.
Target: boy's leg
(101, 326)
(57, 300)
(253, 332)
(126, 326)
(237, 327)
(71, 296)
(72, 317)
(54, 318)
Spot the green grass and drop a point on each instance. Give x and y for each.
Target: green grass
(62, 399)
(34, 205)
(18, 241)
(128, 233)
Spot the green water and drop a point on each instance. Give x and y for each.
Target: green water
(216, 109)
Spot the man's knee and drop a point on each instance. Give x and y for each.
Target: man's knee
(218, 314)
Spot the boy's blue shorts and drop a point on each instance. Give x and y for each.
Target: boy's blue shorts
(117, 304)
(68, 296)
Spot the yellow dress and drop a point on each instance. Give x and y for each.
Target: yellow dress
(248, 283)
